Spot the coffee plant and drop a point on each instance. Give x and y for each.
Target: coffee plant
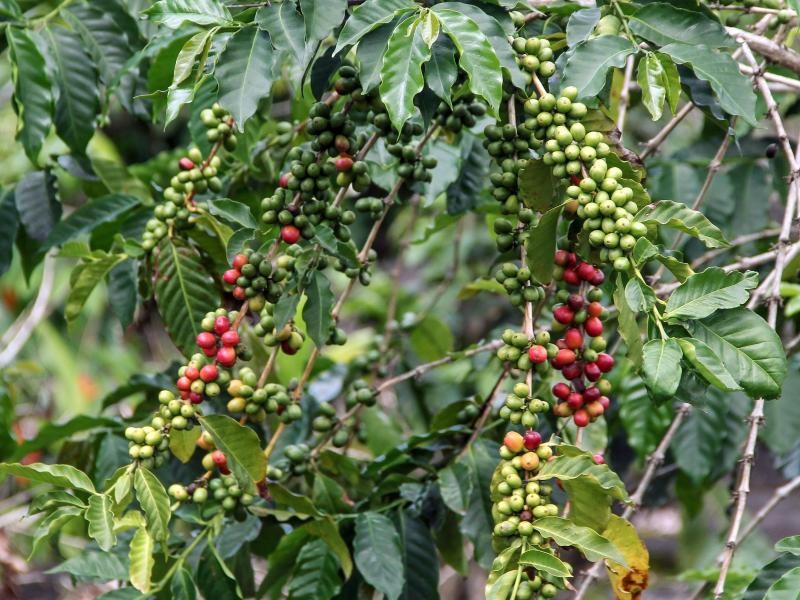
(446, 287)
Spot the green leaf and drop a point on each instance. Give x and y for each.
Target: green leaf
(441, 71)
(155, 503)
(431, 339)
(182, 586)
(100, 566)
(708, 291)
(196, 47)
(582, 465)
(580, 25)
(56, 498)
(698, 442)
(789, 544)
(286, 30)
(671, 80)
(476, 55)
(52, 524)
(244, 73)
(422, 573)
(537, 186)
(663, 23)
(733, 89)
(58, 475)
(38, 209)
(329, 495)
(545, 562)
(316, 575)
(627, 325)
(33, 100)
(645, 250)
(74, 75)
(141, 560)
(369, 16)
(322, 17)
(455, 486)
(241, 447)
(174, 13)
(182, 443)
(184, 291)
(748, 347)
(590, 543)
(89, 216)
(326, 529)
(214, 578)
(370, 53)
(480, 460)
(50, 433)
(588, 63)
(233, 211)
(101, 521)
(463, 194)
(378, 554)
(123, 294)
(317, 309)
(661, 367)
(85, 277)
(653, 81)
(679, 216)
(639, 296)
(9, 223)
(401, 73)
(541, 245)
(708, 364)
(786, 588)
(769, 574)
(500, 588)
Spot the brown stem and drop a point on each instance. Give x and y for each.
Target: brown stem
(486, 410)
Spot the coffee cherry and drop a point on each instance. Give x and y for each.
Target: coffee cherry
(561, 390)
(513, 441)
(226, 356)
(529, 461)
(593, 326)
(206, 340)
(221, 462)
(290, 234)
(563, 314)
(230, 338)
(209, 373)
(564, 358)
(537, 354)
(532, 439)
(581, 418)
(573, 339)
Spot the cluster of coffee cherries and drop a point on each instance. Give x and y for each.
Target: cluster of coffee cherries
(299, 220)
(297, 458)
(221, 343)
(332, 130)
(173, 412)
(360, 393)
(517, 347)
(257, 402)
(462, 114)
(149, 444)
(518, 283)
(252, 276)
(503, 142)
(572, 271)
(535, 55)
(507, 236)
(288, 337)
(225, 490)
(219, 126)
(519, 499)
(521, 407)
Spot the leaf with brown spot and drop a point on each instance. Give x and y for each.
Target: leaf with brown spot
(628, 582)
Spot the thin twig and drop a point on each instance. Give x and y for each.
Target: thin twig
(778, 496)
(625, 95)
(737, 241)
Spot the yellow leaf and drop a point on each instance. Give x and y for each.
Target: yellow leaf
(627, 582)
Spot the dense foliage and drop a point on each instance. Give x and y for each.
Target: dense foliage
(437, 280)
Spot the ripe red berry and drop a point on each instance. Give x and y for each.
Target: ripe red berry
(239, 293)
(209, 373)
(239, 261)
(575, 302)
(591, 394)
(226, 356)
(599, 459)
(561, 257)
(592, 371)
(537, 354)
(531, 439)
(287, 348)
(574, 180)
(219, 459)
(221, 325)
(575, 400)
(585, 271)
(283, 181)
(192, 373)
(290, 234)
(593, 326)
(598, 278)
(195, 398)
(230, 338)
(581, 418)
(573, 371)
(561, 390)
(573, 339)
(343, 163)
(572, 259)
(571, 277)
(183, 383)
(230, 276)
(605, 362)
(563, 314)
(186, 164)
(565, 357)
(210, 351)
(206, 339)
(595, 309)
(184, 394)
(604, 401)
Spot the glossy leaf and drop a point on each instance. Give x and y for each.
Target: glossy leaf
(708, 291)
(422, 572)
(141, 560)
(101, 521)
(541, 245)
(85, 277)
(370, 52)
(214, 578)
(51, 433)
(286, 30)
(122, 291)
(748, 347)
(317, 309)
(155, 503)
(671, 80)
(580, 25)
(769, 574)
(537, 186)
(661, 367)
(184, 291)
(588, 63)
(174, 13)
(441, 71)
(182, 443)
(378, 554)
(679, 216)
(244, 73)
(33, 100)
(182, 586)
(233, 211)
(99, 566)
(368, 16)
(698, 442)
(501, 587)
(639, 296)
(653, 81)
(545, 562)
(53, 524)
(321, 17)
(662, 23)
(708, 364)
(476, 55)
(628, 326)
(89, 216)
(786, 588)
(37, 207)
(58, 475)
(732, 88)
(789, 544)
(582, 465)
(590, 543)
(194, 50)
(9, 223)
(75, 76)
(241, 447)
(316, 575)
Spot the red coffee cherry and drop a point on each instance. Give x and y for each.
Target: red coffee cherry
(561, 257)
(343, 163)
(192, 373)
(183, 383)
(287, 348)
(230, 276)
(186, 164)
(563, 314)
(537, 354)
(592, 371)
(604, 401)
(239, 261)
(573, 339)
(573, 372)
(581, 418)
(283, 181)
(206, 339)
(230, 338)
(575, 400)
(591, 394)
(575, 302)
(513, 441)
(595, 309)
(561, 390)
(226, 356)
(195, 398)
(564, 358)
(598, 278)
(571, 277)
(222, 463)
(605, 362)
(209, 373)
(586, 271)
(593, 326)
(239, 293)
(221, 325)
(599, 459)
(290, 234)
(531, 439)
